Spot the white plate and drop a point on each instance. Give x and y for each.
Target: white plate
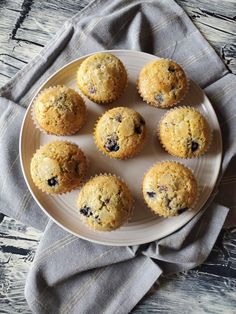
(144, 226)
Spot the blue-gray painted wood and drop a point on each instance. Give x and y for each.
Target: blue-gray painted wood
(25, 27)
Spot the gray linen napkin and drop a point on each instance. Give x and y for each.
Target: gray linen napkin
(71, 275)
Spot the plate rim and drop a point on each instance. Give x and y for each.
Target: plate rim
(180, 225)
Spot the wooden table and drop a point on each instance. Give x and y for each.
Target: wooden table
(25, 27)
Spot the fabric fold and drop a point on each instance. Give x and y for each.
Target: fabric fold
(15, 198)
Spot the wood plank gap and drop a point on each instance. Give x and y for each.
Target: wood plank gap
(6, 236)
(27, 41)
(5, 54)
(5, 75)
(14, 10)
(9, 65)
(26, 7)
(220, 16)
(218, 29)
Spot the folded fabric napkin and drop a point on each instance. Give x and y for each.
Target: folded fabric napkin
(71, 275)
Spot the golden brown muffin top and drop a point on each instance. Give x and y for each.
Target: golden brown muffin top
(169, 188)
(185, 133)
(105, 202)
(162, 83)
(120, 132)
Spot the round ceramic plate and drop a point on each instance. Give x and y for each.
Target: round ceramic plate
(144, 225)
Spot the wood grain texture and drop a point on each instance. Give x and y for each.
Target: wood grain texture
(25, 27)
(24, 30)
(18, 244)
(217, 22)
(190, 293)
(209, 288)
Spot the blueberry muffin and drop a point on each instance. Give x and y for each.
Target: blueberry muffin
(59, 110)
(105, 203)
(169, 189)
(184, 133)
(162, 83)
(120, 132)
(58, 167)
(102, 78)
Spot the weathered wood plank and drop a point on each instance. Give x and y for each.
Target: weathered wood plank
(225, 7)
(216, 21)
(18, 244)
(24, 30)
(6, 71)
(191, 292)
(209, 288)
(222, 260)
(216, 276)
(25, 27)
